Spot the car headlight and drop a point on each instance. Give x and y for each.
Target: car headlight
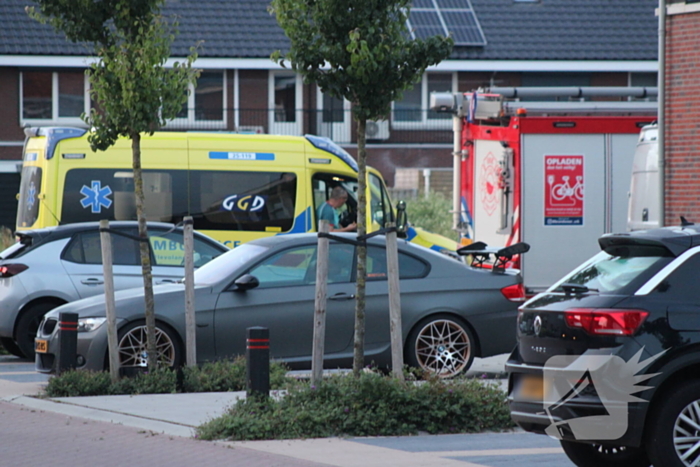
(90, 324)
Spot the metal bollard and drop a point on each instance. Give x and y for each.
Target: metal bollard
(258, 362)
(67, 342)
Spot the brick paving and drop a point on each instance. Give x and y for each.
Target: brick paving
(31, 438)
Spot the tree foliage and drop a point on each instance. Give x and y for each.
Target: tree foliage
(134, 91)
(359, 50)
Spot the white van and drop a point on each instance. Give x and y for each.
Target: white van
(643, 210)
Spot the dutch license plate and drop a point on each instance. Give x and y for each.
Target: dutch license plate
(531, 387)
(41, 345)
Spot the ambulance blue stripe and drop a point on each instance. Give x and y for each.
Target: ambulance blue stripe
(242, 156)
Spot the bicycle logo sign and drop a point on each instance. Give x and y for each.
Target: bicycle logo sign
(563, 190)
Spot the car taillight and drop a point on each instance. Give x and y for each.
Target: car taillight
(514, 293)
(9, 270)
(606, 322)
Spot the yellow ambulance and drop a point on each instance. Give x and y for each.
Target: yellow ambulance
(237, 187)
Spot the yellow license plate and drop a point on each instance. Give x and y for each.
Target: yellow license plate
(531, 387)
(41, 345)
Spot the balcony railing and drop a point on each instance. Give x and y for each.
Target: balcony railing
(415, 126)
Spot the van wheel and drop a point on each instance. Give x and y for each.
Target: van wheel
(441, 345)
(11, 346)
(27, 326)
(673, 434)
(597, 455)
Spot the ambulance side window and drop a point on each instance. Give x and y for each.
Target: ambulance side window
(323, 184)
(248, 201)
(28, 208)
(380, 205)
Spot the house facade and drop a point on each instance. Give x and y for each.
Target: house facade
(498, 43)
(682, 112)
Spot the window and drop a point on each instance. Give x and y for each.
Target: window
(292, 267)
(647, 80)
(86, 248)
(205, 103)
(553, 80)
(412, 110)
(681, 285)
(409, 267)
(217, 200)
(323, 184)
(53, 96)
(29, 190)
(379, 205)
(169, 249)
(285, 98)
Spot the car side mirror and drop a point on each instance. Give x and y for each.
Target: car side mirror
(246, 282)
(401, 219)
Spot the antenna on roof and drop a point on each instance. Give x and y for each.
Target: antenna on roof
(685, 223)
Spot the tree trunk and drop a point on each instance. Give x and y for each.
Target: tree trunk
(359, 343)
(145, 253)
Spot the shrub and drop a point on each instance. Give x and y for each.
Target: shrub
(221, 376)
(6, 238)
(227, 375)
(432, 213)
(371, 405)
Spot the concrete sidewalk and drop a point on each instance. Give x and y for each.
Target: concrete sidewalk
(179, 414)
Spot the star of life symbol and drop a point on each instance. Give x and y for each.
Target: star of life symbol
(31, 196)
(607, 379)
(96, 196)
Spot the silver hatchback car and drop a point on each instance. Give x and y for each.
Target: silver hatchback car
(52, 266)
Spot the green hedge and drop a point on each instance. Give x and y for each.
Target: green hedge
(221, 376)
(372, 405)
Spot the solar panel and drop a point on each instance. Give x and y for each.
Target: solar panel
(446, 17)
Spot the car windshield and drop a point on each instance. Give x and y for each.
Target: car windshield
(223, 266)
(611, 271)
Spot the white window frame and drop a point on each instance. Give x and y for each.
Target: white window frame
(190, 122)
(74, 121)
(285, 128)
(425, 123)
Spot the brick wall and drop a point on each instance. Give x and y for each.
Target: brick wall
(682, 118)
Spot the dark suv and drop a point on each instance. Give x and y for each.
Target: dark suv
(608, 359)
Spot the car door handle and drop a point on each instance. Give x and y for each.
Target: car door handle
(342, 296)
(167, 281)
(92, 281)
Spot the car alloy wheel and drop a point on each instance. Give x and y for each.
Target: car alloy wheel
(673, 427)
(686, 434)
(442, 347)
(133, 348)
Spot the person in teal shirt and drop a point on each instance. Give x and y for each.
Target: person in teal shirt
(328, 211)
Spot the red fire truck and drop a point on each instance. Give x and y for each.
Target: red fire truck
(553, 174)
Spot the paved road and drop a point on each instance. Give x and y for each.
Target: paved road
(154, 430)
